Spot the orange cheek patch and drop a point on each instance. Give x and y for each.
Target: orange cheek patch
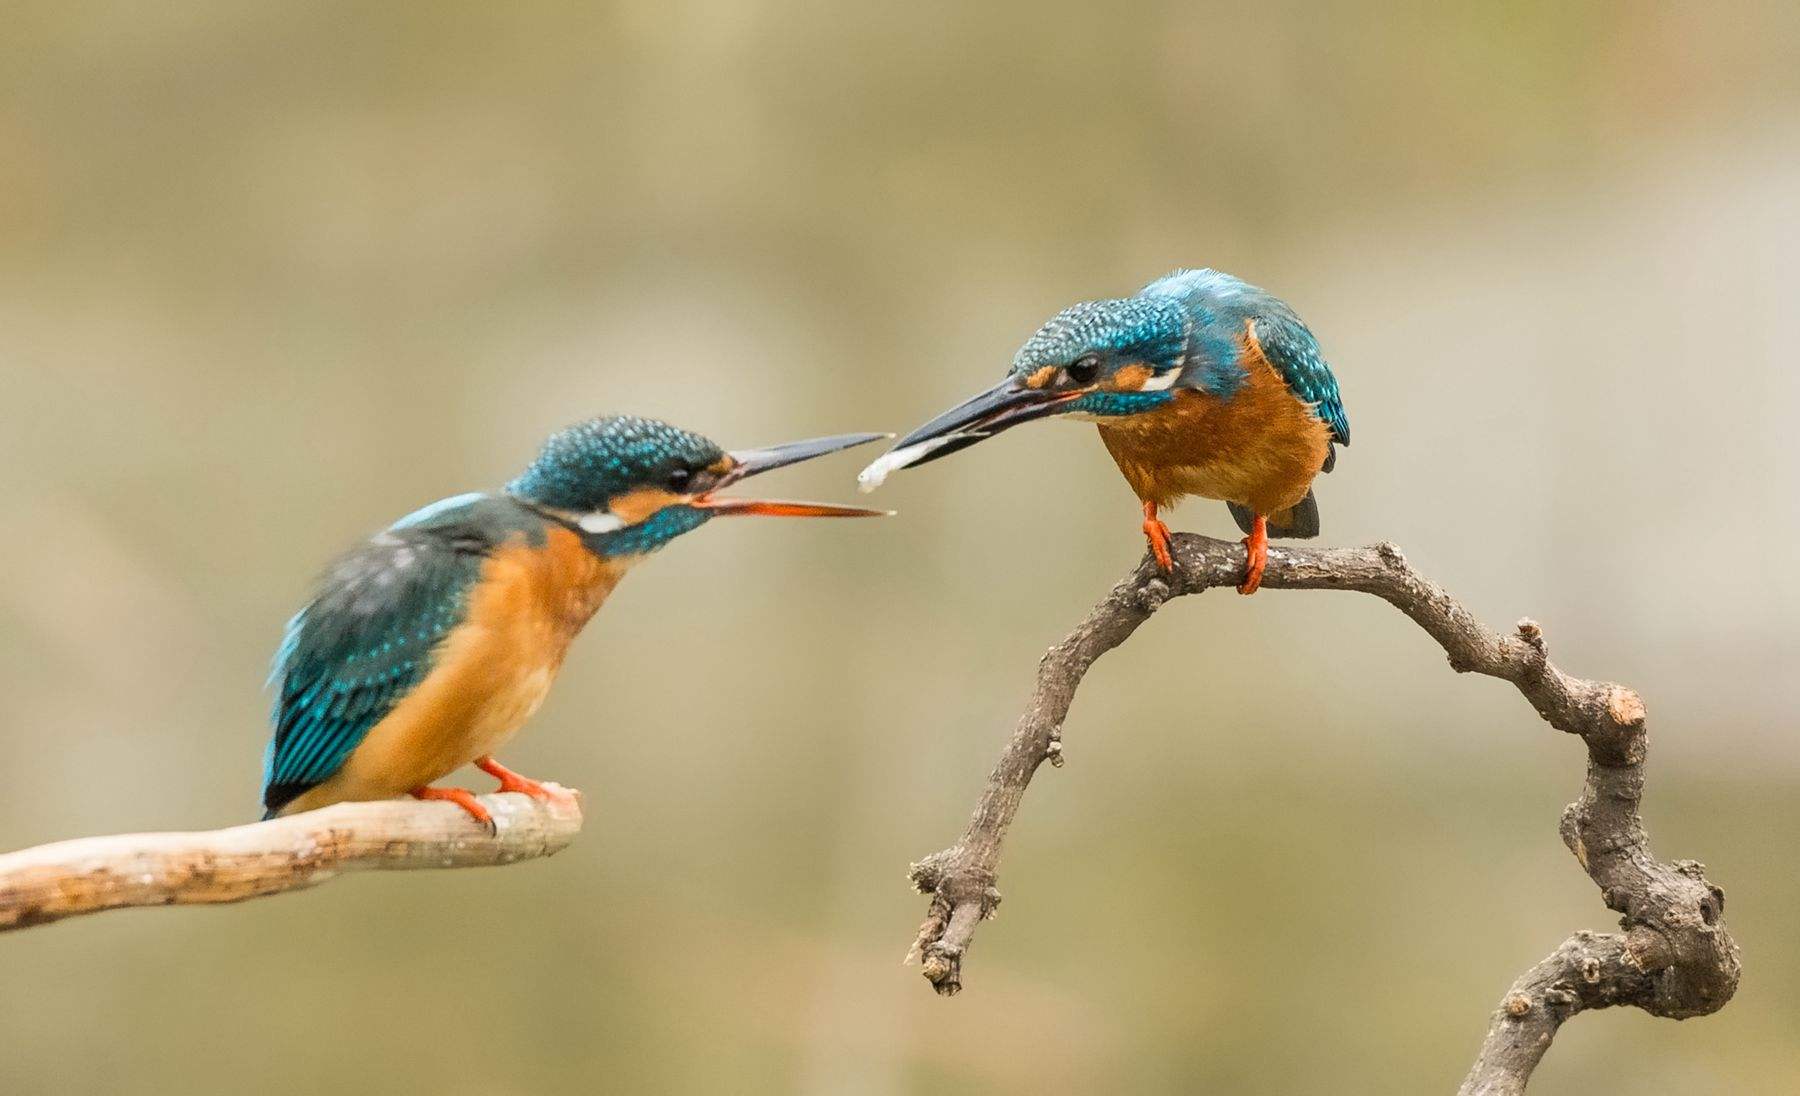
(721, 466)
(1041, 377)
(634, 506)
(1129, 378)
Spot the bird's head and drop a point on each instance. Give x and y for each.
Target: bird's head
(1098, 359)
(631, 485)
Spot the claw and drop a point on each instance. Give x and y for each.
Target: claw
(1158, 535)
(463, 798)
(513, 782)
(1256, 551)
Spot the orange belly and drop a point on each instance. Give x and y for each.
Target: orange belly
(1261, 448)
(489, 675)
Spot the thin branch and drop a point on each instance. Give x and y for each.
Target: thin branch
(90, 874)
(1673, 956)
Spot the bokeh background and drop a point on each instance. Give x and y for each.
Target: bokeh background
(273, 275)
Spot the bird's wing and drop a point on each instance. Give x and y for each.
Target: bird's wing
(365, 641)
(1294, 353)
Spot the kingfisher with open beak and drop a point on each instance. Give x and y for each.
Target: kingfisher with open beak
(1201, 385)
(427, 648)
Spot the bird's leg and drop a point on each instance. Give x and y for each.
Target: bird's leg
(462, 797)
(1158, 535)
(1256, 549)
(512, 782)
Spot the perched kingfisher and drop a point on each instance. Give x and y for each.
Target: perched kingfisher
(426, 648)
(1201, 385)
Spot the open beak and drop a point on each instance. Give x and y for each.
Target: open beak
(1001, 407)
(750, 462)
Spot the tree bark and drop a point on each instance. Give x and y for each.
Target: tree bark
(89, 874)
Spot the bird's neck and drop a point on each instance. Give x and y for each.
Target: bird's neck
(571, 580)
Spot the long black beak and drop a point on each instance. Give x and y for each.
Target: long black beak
(751, 462)
(1001, 407)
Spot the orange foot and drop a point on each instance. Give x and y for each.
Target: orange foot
(1158, 535)
(1256, 548)
(512, 782)
(463, 798)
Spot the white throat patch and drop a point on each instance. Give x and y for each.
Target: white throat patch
(601, 521)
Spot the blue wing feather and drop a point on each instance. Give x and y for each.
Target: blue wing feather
(367, 639)
(1294, 353)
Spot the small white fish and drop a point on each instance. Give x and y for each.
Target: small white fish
(878, 470)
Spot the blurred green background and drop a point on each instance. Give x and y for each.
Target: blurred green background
(274, 275)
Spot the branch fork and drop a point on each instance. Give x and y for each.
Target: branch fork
(1672, 956)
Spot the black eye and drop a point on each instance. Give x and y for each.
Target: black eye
(679, 479)
(1084, 369)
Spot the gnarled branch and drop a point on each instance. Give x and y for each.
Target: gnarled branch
(1672, 957)
(90, 874)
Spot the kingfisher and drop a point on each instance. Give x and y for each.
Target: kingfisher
(427, 647)
(1201, 384)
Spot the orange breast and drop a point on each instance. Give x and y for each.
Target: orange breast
(1260, 448)
(490, 675)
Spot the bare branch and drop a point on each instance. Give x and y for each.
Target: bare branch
(1673, 956)
(90, 874)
